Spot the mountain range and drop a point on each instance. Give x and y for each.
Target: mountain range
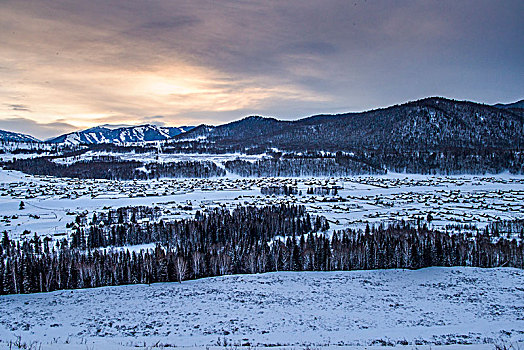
(429, 124)
(103, 134)
(9, 136)
(426, 124)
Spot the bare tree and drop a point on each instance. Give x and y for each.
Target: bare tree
(180, 268)
(197, 261)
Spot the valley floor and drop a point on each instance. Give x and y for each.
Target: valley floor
(446, 308)
(52, 203)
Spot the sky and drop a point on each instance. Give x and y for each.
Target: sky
(69, 65)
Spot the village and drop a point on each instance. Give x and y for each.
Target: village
(47, 205)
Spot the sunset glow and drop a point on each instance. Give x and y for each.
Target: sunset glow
(66, 65)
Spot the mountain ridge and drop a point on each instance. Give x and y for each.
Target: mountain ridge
(427, 119)
(103, 134)
(426, 124)
(10, 136)
(513, 105)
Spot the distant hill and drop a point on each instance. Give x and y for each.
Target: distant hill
(431, 135)
(514, 105)
(9, 136)
(427, 125)
(102, 134)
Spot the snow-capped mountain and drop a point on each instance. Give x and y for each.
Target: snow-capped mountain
(8, 136)
(103, 134)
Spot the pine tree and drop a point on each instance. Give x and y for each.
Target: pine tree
(6, 244)
(9, 277)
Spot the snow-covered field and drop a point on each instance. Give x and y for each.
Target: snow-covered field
(473, 200)
(8, 150)
(443, 308)
(218, 159)
(464, 308)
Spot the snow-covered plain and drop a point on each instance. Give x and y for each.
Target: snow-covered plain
(463, 308)
(437, 308)
(471, 200)
(218, 159)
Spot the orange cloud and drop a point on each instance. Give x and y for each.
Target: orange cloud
(191, 62)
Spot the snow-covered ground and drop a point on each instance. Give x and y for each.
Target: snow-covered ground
(437, 308)
(51, 203)
(33, 150)
(464, 308)
(218, 159)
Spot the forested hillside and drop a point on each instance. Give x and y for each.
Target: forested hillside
(433, 135)
(432, 124)
(429, 136)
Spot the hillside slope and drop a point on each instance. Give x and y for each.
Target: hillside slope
(8, 136)
(99, 134)
(443, 308)
(428, 125)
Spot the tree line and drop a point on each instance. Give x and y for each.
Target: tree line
(128, 226)
(450, 161)
(220, 243)
(301, 166)
(115, 170)
(279, 190)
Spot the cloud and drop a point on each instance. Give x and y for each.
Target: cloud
(192, 61)
(311, 48)
(39, 130)
(173, 22)
(17, 107)
(158, 120)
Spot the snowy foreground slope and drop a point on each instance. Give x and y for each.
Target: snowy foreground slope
(466, 308)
